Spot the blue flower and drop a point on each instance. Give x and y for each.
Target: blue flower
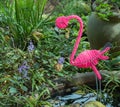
(24, 69)
(31, 46)
(61, 60)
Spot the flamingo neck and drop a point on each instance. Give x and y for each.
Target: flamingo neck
(72, 56)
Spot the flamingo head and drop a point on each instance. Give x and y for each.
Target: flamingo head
(62, 22)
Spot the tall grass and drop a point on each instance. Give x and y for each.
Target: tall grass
(22, 17)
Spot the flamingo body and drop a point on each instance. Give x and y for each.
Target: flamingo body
(88, 58)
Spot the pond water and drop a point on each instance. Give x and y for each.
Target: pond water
(74, 98)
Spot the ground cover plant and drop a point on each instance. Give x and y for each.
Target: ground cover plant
(26, 76)
(29, 56)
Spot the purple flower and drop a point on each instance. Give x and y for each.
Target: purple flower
(24, 69)
(31, 46)
(61, 60)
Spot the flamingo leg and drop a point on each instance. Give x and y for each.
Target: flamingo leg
(98, 82)
(98, 88)
(93, 67)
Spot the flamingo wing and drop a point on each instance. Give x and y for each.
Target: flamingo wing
(87, 58)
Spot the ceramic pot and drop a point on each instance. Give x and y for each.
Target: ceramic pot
(100, 31)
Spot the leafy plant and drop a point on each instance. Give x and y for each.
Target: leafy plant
(68, 7)
(111, 80)
(26, 76)
(111, 77)
(22, 82)
(22, 18)
(107, 9)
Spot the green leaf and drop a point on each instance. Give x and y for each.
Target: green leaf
(1, 94)
(13, 90)
(24, 88)
(60, 74)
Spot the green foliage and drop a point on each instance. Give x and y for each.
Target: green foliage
(104, 11)
(21, 21)
(113, 64)
(107, 9)
(68, 7)
(17, 90)
(22, 17)
(111, 80)
(33, 90)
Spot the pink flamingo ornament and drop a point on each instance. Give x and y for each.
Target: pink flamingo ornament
(88, 58)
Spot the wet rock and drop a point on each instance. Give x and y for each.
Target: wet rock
(93, 104)
(75, 105)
